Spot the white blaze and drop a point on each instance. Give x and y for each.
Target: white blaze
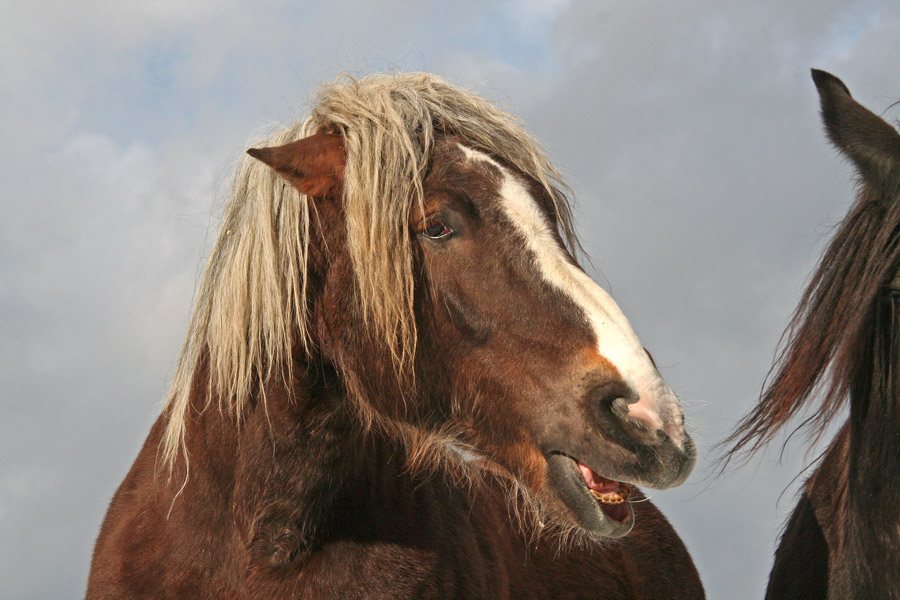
(657, 404)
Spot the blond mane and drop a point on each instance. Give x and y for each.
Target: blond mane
(251, 305)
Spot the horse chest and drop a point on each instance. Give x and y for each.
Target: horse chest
(442, 542)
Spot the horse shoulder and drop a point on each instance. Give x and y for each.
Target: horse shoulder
(121, 553)
(158, 541)
(657, 559)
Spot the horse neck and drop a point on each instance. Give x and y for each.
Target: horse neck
(282, 468)
(871, 549)
(303, 471)
(874, 458)
(866, 560)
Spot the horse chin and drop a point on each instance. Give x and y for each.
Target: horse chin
(599, 506)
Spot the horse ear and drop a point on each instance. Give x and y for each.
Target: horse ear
(871, 143)
(314, 165)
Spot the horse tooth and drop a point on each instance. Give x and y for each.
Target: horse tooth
(608, 497)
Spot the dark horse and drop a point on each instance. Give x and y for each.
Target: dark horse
(843, 538)
(398, 383)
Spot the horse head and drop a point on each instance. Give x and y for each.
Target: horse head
(841, 347)
(830, 338)
(521, 363)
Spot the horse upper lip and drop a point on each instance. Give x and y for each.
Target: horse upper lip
(594, 481)
(659, 466)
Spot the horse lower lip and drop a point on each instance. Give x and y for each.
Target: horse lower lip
(607, 516)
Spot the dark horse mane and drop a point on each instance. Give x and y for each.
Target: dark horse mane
(842, 347)
(838, 323)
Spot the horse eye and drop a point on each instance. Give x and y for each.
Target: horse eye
(435, 230)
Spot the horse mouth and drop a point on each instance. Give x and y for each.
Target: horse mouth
(611, 495)
(600, 505)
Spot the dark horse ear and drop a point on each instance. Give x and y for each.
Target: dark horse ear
(871, 143)
(314, 165)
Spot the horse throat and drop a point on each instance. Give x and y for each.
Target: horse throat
(304, 471)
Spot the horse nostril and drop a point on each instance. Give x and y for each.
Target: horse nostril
(619, 406)
(636, 427)
(613, 404)
(614, 397)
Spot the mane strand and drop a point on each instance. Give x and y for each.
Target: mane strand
(831, 331)
(251, 306)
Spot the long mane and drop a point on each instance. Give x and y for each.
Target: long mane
(251, 307)
(829, 340)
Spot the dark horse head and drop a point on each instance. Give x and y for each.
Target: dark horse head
(418, 254)
(844, 344)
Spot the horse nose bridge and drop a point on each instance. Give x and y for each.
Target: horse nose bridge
(640, 400)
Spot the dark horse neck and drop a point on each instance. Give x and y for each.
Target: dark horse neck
(871, 549)
(843, 540)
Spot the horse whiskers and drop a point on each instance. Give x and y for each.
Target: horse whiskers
(639, 500)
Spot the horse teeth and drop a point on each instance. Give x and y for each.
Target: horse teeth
(608, 498)
(618, 497)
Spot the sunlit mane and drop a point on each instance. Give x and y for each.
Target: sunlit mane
(251, 305)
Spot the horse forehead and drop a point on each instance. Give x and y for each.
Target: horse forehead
(516, 199)
(454, 160)
(452, 168)
(486, 164)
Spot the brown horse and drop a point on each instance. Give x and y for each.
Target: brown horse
(398, 382)
(843, 539)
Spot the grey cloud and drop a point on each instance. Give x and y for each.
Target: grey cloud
(690, 131)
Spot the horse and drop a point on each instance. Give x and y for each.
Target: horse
(398, 382)
(843, 345)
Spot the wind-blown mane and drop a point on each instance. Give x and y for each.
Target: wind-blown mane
(842, 347)
(830, 337)
(251, 309)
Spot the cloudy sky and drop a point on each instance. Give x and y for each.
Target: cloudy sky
(688, 129)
